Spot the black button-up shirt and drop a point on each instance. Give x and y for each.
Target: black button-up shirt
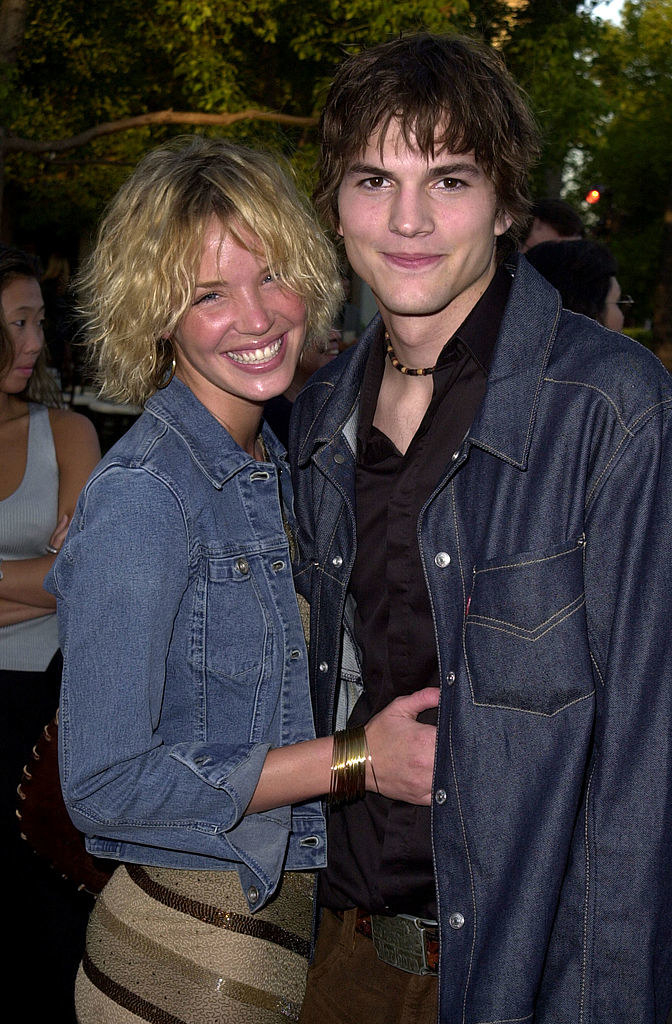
(380, 855)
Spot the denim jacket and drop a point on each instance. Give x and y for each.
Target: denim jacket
(547, 555)
(184, 652)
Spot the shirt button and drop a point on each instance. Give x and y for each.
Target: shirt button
(337, 561)
(295, 655)
(440, 796)
(450, 678)
(442, 559)
(324, 667)
(253, 894)
(456, 920)
(242, 566)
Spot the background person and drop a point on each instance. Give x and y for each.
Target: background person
(186, 727)
(585, 275)
(46, 454)
(553, 220)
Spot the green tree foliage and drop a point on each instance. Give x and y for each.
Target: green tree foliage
(82, 63)
(632, 156)
(552, 54)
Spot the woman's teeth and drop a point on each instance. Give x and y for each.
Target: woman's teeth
(257, 355)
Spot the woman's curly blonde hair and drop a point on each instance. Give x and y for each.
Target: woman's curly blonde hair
(140, 279)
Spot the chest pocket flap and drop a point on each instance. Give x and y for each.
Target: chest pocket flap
(525, 638)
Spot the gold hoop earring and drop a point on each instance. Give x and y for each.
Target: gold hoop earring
(166, 382)
(173, 365)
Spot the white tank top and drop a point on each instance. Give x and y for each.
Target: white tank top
(28, 518)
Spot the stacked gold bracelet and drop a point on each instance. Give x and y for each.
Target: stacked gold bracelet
(348, 766)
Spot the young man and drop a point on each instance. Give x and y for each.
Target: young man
(484, 492)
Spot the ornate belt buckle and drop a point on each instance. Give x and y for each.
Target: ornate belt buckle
(401, 941)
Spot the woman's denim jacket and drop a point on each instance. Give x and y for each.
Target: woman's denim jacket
(184, 652)
(547, 551)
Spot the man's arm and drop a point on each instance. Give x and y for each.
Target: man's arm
(628, 575)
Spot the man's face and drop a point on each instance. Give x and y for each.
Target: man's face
(420, 232)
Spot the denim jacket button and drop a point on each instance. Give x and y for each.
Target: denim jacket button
(456, 920)
(339, 459)
(324, 667)
(450, 678)
(253, 894)
(242, 565)
(440, 796)
(337, 561)
(442, 559)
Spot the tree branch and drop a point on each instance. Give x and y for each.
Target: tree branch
(14, 144)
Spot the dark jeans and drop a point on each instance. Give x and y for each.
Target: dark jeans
(348, 984)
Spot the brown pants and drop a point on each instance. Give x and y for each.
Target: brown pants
(348, 984)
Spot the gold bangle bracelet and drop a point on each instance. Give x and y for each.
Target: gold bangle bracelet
(348, 766)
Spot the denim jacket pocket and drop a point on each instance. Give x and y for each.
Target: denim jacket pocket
(525, 639)
(236, 625)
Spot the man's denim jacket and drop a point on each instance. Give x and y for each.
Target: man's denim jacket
(184, 652)
(547, 553)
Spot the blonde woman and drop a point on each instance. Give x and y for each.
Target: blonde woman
(187, 747)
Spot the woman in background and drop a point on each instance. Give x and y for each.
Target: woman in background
(46, 454)
(187, 747)
(585, 275)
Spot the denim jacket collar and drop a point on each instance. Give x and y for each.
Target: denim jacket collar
(210, 444)
(505, 421)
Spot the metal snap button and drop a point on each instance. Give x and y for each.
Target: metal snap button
(340, 459)
(450, 678)
(324, 667)
(253, 894)
(440, 796)
(242, 565)
(295, 655)
(456, 920)
(442, 559)
(337, 561)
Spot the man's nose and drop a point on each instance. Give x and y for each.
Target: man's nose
(410, 213)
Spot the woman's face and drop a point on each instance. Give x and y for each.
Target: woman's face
(23, 310)
(612, 314)
(240, 340)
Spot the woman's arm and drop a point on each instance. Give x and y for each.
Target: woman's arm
(401, 748)
(16, 611)
(77, 452)
(121, 777)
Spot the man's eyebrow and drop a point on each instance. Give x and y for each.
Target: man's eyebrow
(369, 169)
(433, 171)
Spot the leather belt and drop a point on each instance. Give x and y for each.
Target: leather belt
(404, 941)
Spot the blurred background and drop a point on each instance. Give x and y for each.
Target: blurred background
(87, 87)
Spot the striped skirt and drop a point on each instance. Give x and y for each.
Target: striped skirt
(180, 947)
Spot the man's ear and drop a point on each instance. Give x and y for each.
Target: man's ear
(503, 222)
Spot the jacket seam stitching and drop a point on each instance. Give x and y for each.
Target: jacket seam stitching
(593, 387)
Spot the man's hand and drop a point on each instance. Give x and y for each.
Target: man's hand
(402, 749)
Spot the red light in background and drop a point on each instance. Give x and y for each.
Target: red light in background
(593, 196)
